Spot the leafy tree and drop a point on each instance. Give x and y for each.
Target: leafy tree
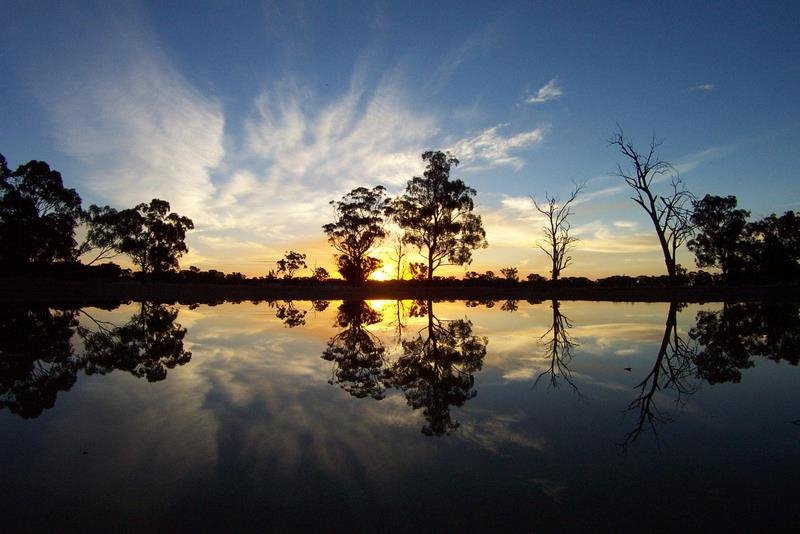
(720, 234)
(510, 273)
(669, 212)
(321, 274)
(38, 215)
(153, 237)
(356, 230)
(291, 263)
(557, 229)
(435, 213)
(775, 243)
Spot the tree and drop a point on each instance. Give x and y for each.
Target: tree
(291, 263)
(557, 229)
(356, 230)
(720, 238)
(668, 212)
(38, 215)
(153, 237)
(436, 215)
(510, 274)
(321, 274)
(775, 243)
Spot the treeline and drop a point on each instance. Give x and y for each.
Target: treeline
(433, 217)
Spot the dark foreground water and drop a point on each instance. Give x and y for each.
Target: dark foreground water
(403, 416)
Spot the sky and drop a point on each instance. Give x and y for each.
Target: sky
(249, 117)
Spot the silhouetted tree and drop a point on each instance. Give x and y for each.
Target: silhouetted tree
(37, 359)
(436, 215)
(510, 274)
(436, 371)
(357, 354)
(153, 237)
(720, 234)
(775, 246)
(321, 274)
(291, 263)
(558, 345)
(38, 215)
(356, 230)
(557, 229)
(668, 212)
(149, 344)
(399, 253)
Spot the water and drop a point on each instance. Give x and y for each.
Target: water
(383, 415)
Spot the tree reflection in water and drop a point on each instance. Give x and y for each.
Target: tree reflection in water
(436, 369)
(356, 353)
(37, 360)
(146, 346)
(720, 345)
(558, 345)
(673, 370)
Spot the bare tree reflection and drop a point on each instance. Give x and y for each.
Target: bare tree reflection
(149, 344)
(436, 369)
(672, 371)
(356, 353)
(558, 349)
(37, 359)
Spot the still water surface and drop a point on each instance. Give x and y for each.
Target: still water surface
(384, 415)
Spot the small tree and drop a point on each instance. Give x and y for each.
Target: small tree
(321, 274)
(356, 230)
(557, 229)
(720, 238)
(510, 273)
(668, 212)
(436, 215)
(291, 263)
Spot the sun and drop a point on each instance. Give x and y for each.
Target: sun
(381, 275)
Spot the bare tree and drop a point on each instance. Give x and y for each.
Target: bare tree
(399, 252)
(556, 230)
(670, 212)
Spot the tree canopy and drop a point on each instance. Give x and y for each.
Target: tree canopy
(38, 215)
(356, 230)
(153, 237)
(720, 227)
(436, 216)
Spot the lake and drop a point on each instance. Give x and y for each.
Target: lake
(401, 415)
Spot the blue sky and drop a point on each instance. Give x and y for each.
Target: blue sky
(250, 117)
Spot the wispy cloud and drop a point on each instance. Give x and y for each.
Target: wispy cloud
(490, 148)
(138, 127)
(549, 91)
(704, 87)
